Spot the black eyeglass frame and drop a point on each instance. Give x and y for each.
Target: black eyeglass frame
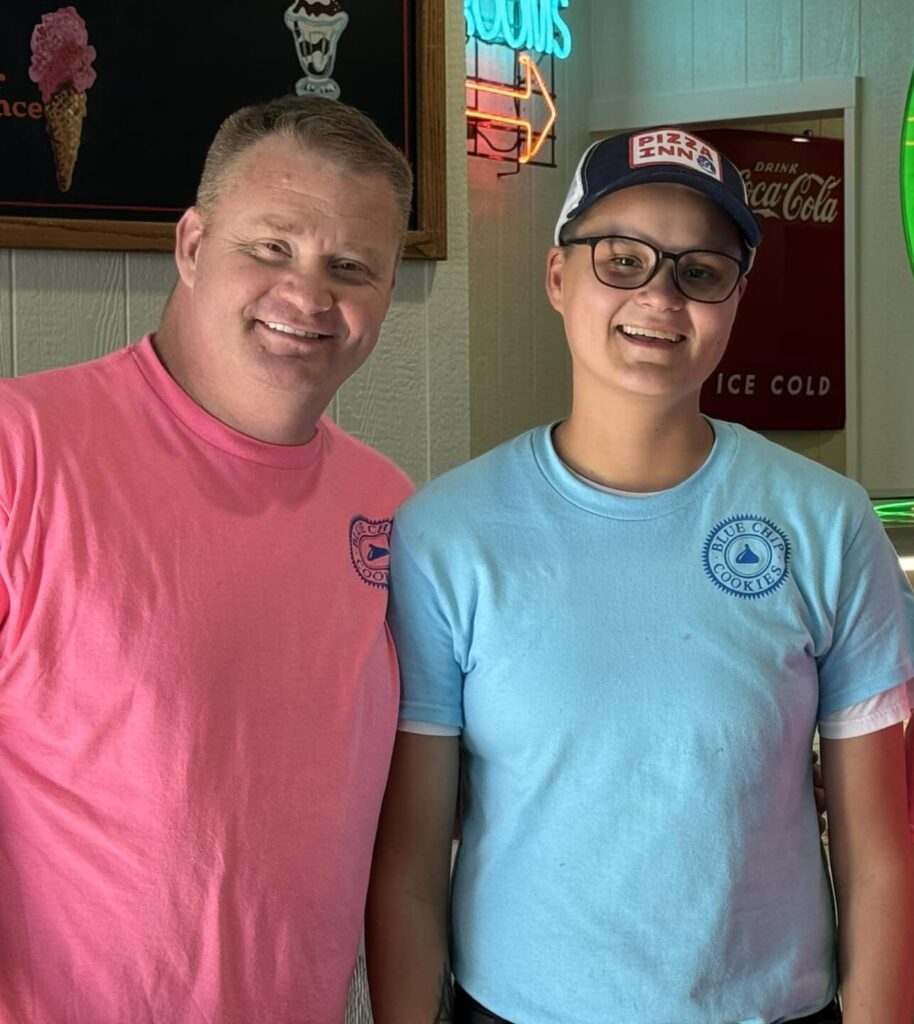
(659, 256)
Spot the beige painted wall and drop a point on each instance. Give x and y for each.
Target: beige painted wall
(411, 400)
(668, 49)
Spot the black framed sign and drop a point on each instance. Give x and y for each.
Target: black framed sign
(107, 107)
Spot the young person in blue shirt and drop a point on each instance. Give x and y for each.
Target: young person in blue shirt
(629, 625)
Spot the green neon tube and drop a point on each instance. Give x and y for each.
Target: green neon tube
(900, 511)
(907, 173)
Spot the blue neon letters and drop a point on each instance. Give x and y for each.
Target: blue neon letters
(521, 24)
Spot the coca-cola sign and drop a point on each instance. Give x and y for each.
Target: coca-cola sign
(805, 197)
(784, 366)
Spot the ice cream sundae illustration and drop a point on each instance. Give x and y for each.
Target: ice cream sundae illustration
(316, 26)
(61, 66)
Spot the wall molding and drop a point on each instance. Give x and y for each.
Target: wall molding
(812, 97)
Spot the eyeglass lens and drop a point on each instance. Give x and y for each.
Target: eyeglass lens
(700, 275)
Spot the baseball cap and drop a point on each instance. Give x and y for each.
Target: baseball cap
(659, 155)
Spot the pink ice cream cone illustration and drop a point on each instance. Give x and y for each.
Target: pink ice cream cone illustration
(61, 66)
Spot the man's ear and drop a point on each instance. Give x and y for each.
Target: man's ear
(188, 235)
(742, 286)
(555, 267)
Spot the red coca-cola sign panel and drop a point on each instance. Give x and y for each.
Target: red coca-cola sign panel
(784, 366)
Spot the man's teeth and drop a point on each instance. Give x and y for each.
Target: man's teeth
(286, 329)
(640, 332)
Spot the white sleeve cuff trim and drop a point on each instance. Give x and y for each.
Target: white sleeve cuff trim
(427, 728)
(891, 713)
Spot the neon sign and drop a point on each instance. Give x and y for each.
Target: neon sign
(533, 143)
(907, 173)
(898, 511)
(520, 24)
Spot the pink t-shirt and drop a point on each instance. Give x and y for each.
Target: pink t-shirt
(198, 699)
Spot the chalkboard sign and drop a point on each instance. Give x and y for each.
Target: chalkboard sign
(107, 107)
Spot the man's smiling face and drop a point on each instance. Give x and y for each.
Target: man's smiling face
(291, 272)
(650, 341)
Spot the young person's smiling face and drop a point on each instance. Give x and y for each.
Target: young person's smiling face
(291, 273)
(650, 341)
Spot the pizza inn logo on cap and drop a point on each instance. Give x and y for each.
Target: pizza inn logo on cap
(672, 147)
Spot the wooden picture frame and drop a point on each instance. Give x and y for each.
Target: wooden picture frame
(426, 239)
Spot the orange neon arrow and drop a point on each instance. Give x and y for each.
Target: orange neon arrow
(531, 71)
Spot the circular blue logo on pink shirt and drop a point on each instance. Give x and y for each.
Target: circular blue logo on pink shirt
(369, 549)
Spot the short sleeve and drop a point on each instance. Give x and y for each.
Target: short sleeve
(872, 643)
(431, 679)
(866, 716)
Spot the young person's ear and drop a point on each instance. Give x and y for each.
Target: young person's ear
(555, 269)
(188, 235)
(741, 287)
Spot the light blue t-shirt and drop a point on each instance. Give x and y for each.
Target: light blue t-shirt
(638, 682)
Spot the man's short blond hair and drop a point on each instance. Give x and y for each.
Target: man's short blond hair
(337, 131)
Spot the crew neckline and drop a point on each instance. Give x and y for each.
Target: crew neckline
(626, 506)
(212, 430)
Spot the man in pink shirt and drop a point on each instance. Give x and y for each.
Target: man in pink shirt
(198, 694)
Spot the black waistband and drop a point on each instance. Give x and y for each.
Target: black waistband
(468, 1011)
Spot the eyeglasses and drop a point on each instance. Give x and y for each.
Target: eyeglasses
(699, 274)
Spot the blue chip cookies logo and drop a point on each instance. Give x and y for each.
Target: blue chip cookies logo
(369, 548)
(747, 556)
